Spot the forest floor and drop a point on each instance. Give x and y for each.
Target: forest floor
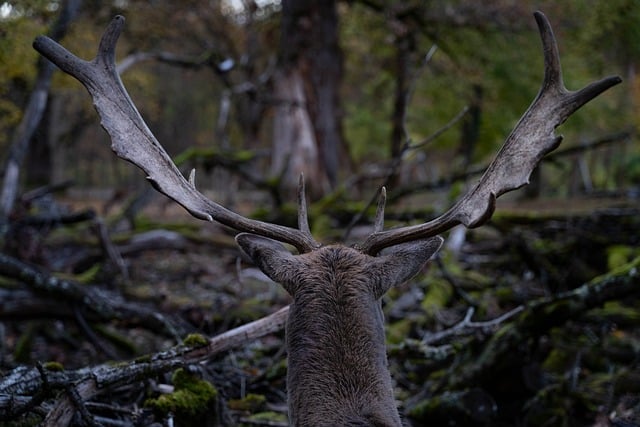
(533, 321)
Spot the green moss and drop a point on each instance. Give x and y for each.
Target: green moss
(558, 360)
(251, 403)
(277, 370)
(618, 312)
(424, 407)
(192, 401)
(619, 255)
(89, 275)
(53, 366)
(211, 155)
(22, 351)
(437, 296)
(143, 359)
(265, 417)
(195, 340)
(398, 331)
(322, 226)
(629, 269)
(116, 338)
(247, 310)
(504, 295)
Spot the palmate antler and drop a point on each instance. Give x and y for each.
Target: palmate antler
(532, 138)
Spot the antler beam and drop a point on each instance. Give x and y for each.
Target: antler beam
(532, 138)
(133, 141)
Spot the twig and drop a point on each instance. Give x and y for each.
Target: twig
(45, 190)
(466, 325)
(461, 176)
(76, 399)
(440, 131)
(86, 329)
(109, 248)
(593, 144)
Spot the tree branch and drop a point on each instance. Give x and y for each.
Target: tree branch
(86, 383)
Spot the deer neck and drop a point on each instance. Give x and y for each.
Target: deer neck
(337, 362)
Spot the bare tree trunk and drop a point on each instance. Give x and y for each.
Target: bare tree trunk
(310, 70)
(295, 148)
(404, 45)
(39, 156)
(33, 114)
(471, 127)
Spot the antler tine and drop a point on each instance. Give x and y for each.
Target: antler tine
(378, 224)
(133, 141)
(303, 218)
(532, 138)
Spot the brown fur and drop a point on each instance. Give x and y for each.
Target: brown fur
(338, 374)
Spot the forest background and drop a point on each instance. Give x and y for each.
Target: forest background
(414, 95)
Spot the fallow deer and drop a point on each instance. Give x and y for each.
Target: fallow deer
(337, 372)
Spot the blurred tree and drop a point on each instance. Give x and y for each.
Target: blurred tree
(350, 85)
(32, 116)
(308, 123)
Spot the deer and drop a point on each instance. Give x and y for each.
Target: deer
(335, 334)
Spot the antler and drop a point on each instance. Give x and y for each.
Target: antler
(133, 141)
(532, 138)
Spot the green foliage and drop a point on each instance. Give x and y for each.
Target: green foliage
(502, 57)
(17, 69)
(505, 61)
(368, 84)
(613, 27)
(632, 168)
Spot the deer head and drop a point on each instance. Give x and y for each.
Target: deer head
(338, 371)
(335, 330)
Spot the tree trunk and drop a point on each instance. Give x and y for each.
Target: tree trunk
(39, 157)
(471, 127)
(295, 148)
(404, 45)
(311, 72)
(32, 115)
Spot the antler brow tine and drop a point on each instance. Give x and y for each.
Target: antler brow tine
(531, 139)
(378, 224)
(133, 141)
(303, 218)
